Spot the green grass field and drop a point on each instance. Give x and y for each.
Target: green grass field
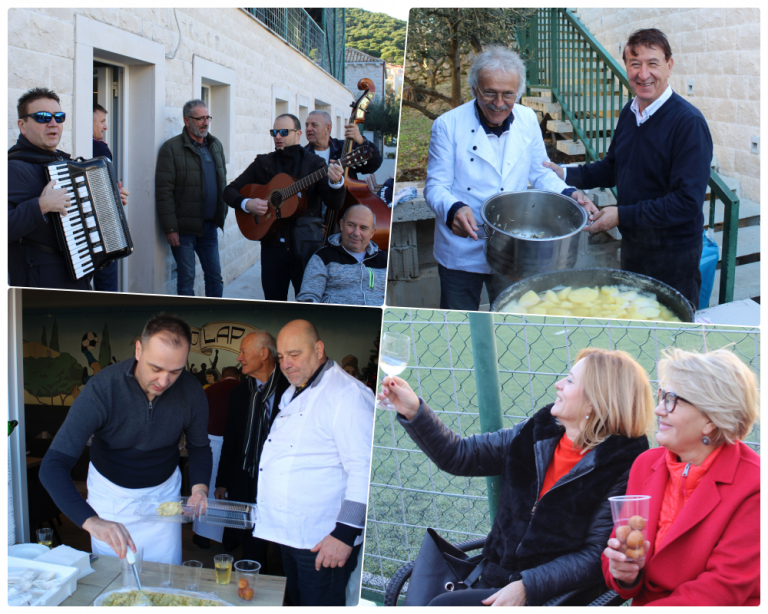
(407, 489)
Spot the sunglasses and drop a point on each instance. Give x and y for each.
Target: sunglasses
(43, 117)
(282, 131)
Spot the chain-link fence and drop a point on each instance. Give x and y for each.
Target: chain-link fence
(316, 33)
(409, 494)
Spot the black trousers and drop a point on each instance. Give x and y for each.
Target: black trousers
(677, 269)
(280, 267)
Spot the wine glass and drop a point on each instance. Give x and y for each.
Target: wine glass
(393, 359)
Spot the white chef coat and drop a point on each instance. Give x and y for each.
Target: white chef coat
(467, 165)
(316, 461)
(161, 540)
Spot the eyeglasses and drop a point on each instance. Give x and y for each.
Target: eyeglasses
(670, 400)
(199, 119)
(282, 131)
(44, 117)
(491, 96)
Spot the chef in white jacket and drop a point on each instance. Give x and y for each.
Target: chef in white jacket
(314, 470)
(482, 148)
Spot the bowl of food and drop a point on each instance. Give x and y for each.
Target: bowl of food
(159, 597)
(597, 293)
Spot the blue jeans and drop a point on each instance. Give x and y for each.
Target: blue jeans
(308, 587)
(106, 279)
(462, 289)
(207, 249)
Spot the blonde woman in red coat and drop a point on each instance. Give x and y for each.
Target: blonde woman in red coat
(703, 533)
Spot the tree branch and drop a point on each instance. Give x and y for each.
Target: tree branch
(418, 107)
(426, 91)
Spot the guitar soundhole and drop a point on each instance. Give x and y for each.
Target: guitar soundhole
(275, 199)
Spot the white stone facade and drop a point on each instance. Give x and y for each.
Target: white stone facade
(166, 55)
(375, 71)
(717, 49)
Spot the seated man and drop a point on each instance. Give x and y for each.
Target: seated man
(351, 269)
(482, 148)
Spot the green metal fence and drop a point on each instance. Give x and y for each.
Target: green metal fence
(408, 493)
(319, 34)
(592, 88)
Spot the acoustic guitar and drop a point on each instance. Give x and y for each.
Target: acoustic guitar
(282, 196)
(358, 191)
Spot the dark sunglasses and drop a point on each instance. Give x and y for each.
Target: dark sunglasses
(43, 117)
(283, 131)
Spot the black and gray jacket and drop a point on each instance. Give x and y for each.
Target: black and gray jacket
(552, 544)
(333, 275)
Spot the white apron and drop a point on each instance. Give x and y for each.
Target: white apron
(208, 530)
(161, 540)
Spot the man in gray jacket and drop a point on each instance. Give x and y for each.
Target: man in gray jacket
(351, 269)
(189, 183)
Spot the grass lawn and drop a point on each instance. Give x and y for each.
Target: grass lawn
(407, 489)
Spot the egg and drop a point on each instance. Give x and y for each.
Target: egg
(637, 523)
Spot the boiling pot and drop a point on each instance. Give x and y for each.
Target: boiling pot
(579, 278)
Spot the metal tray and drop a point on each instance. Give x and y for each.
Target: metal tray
(148, 509)
(225, 513)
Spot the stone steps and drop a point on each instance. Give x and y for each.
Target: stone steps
(746, 283)
(749, 213)
(748, 241)
(576, 148)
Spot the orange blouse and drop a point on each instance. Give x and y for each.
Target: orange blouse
(683, 480)
(563, 460)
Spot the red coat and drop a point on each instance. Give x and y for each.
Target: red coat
(711, 555)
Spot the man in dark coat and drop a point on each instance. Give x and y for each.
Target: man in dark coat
(35, 257)
(189, 186)
(285, 255)
(253, 406)
(106, 278)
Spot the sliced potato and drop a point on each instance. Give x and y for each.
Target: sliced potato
(529, 299)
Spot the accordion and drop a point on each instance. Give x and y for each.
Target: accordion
(95, 231)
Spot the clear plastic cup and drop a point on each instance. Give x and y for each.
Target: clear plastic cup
(129, 580)
(165, 570)
(223, 567)
(246, 573)
(192, 575)
(630, 520)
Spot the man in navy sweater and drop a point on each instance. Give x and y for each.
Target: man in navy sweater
(659, 162)
(104, 279)
(136, 411)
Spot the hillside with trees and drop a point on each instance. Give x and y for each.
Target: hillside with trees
(376, 34)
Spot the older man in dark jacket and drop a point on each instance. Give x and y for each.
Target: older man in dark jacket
(189, 185)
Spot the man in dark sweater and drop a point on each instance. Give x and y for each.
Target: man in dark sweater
(35, 258)
(136, 411)
(285, 255)
(659, 161)
(104, 279)
(251, 411)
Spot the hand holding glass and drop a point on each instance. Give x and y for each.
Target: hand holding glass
(393, 358)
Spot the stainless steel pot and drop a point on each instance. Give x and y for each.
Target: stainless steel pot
(532, 232)
(579, 278)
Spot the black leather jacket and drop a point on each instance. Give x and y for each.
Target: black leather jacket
(553, 544)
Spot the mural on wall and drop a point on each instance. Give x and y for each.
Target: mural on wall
(55, 371)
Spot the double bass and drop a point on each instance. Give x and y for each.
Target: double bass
(358, 191)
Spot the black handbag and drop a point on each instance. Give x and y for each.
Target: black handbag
(439, 568)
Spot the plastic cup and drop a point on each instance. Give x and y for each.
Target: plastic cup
(129, 580)
(246, 573)
(45, 537)
(192, 575)
(165, 569)
(630, 520)
(222, 564)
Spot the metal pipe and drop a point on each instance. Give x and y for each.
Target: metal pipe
(483, 335)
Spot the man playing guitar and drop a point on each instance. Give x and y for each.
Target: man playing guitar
(285, 254)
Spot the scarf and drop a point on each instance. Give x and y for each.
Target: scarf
(257, 428)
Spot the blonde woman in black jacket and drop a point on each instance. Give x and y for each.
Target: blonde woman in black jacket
(558, 469)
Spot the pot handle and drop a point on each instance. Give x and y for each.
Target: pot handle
(482, 232)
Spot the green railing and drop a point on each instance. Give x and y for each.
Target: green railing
(591, 88)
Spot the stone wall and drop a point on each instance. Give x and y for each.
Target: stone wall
(42, 52)
(719, 49)
(354, 71)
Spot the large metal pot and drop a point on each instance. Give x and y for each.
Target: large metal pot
(579, 278)
(532, 232)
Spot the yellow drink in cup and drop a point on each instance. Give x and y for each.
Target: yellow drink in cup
(222, 564)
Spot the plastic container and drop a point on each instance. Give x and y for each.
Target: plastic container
(67, 576)
(169, 591)
(224, 513)
(148, 509)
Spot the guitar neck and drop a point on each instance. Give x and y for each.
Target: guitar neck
(304, 183)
